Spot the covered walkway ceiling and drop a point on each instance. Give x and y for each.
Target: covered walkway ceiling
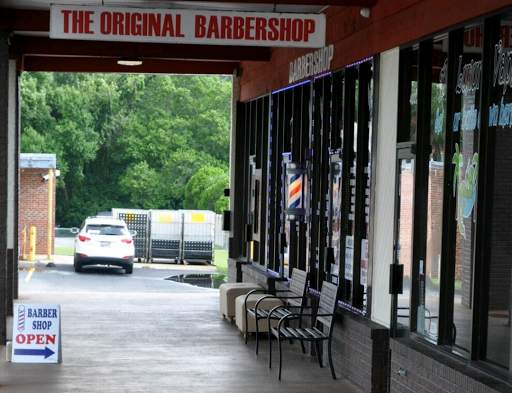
(29, 23)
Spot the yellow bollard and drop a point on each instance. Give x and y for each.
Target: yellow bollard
(32, 241)
(24, 244)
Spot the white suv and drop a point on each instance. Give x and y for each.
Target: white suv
(104, 241)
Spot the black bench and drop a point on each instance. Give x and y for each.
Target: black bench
(324, 315)
(293, 297)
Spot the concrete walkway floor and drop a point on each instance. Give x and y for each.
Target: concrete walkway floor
(158, 342)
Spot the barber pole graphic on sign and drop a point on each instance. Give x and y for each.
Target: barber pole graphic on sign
(36, 334)
(187, 26)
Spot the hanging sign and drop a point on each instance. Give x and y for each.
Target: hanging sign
(187, 26)
(36, 334)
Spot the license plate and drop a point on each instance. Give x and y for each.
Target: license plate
(105, 244)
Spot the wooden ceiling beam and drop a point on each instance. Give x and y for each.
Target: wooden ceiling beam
(360, 3)
(50, 47)
(109, 65)
(25, 20)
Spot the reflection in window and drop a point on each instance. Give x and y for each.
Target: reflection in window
(404, 238)
(335, 217)
(428, 309)
(465, 165)
(413, 98)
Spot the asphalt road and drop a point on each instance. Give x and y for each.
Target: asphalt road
(59, 276)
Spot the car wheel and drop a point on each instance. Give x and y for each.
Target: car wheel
(129, 269)
(78, 266)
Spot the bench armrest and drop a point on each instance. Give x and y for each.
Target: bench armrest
(287, 306)
(298, 316)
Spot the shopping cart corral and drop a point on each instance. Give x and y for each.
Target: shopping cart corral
(181, 236)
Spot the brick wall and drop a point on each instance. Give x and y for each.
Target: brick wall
(406, 219)
(418, 368)
(360, 351)
(434, 218)
(34, 209)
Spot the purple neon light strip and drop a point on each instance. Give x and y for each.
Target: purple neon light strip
(290, 87)
(322, 75)
(359, 62)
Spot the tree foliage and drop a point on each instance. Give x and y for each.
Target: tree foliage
(130, 141)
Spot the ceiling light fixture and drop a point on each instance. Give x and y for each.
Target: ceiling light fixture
(129, 61)
(365, 12)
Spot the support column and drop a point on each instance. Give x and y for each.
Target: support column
(233, 163)
(12, 127)
(17, 137)
(4, 185)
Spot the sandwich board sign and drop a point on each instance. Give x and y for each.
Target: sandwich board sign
(36, 334)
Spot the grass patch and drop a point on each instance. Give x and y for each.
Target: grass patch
(458, 283)
(221, 260)
(221, 257)
(64, 251)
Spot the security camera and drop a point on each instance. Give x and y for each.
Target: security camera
(45, 178)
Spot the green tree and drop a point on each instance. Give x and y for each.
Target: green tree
(202, 180)
(125, 140)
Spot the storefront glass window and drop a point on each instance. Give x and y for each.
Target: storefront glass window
(465, 174)
(350, 197)
(428, 309)
(413, 97)
(363, 279)
(500, 288)
(336, 177)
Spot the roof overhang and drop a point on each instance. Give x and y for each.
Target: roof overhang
(29, 24)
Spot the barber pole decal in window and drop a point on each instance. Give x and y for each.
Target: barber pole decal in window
(295, 191)
(187, 26)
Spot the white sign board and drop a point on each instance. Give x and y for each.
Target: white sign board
(187, 26)
(36, 334)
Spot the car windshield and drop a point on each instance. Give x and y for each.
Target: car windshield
(105, 229)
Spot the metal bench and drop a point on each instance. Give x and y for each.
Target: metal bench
(295, 296)
(324, 315)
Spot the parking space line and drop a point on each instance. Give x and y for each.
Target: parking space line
(29, 275)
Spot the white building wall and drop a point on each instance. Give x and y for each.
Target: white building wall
(385, 168)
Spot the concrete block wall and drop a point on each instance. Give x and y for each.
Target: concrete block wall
(34, 209)
(418, 368)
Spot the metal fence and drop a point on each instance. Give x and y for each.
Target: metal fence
(64, 232)
(221, 237)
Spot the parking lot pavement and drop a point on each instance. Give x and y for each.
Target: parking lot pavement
(141, 333)
(157, 264)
